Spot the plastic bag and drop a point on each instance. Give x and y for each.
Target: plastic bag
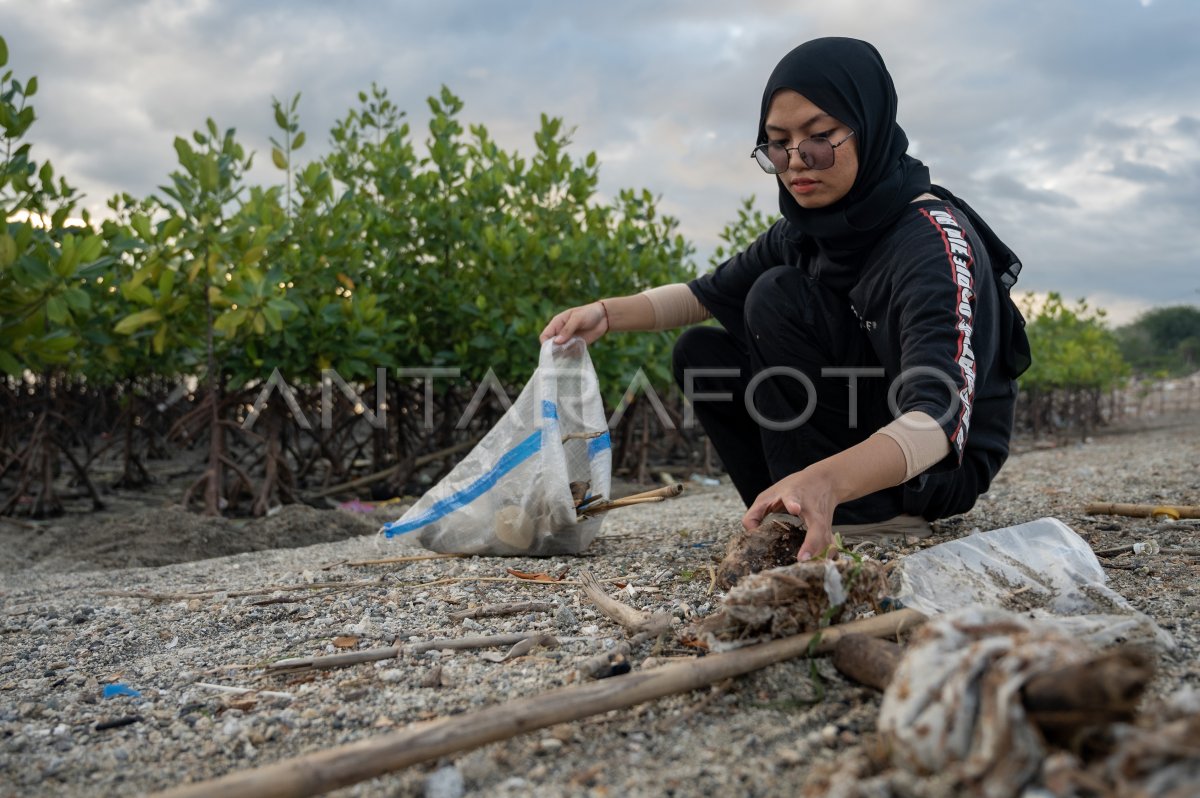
(1041, 568)
(512, 494)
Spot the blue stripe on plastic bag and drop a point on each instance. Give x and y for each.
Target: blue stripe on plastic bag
(597, 445)
(511, 459)
(549, 410)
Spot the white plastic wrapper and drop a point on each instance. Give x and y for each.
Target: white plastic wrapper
(511, 495)
(954, 708)
(1041, 569)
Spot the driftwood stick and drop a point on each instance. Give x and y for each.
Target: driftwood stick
(256, 591)
(221, 688)
(331, 661)
(581, 436)
(867, 660)
(634, 621)
(1143, 510)
(498, 610)
(595, 508)
(323, 771)
(406, 558)
(462, 643)
(666, 492)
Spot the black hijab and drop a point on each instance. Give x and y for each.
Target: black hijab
(847, 79)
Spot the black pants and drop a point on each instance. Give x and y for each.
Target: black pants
(794, 346)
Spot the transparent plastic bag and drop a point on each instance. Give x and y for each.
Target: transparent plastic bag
(512, 494)
(1042, 569)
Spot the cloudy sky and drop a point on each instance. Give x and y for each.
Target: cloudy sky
(1072, 125)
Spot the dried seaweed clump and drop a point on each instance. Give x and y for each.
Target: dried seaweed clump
(792, 600)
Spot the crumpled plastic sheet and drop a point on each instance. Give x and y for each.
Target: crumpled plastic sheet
(1041, 569)
(954, 708)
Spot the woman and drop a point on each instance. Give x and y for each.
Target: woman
(864, 370)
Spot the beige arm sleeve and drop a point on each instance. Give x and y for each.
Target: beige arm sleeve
(675, 306)
(923, 442)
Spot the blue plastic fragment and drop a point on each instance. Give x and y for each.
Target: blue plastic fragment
(113, 690)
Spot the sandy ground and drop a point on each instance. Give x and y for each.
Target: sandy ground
(69, 628)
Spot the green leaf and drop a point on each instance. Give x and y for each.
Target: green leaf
(229, 321)
(31, 87)
(78, 299)
(8, 250)
(134, 322)
(278, 158)
(166, 283)
(280, 119)
(3, 52)
(9, 364)
(298, 142)
(253, 255)
(56, 310)
(140, 223)
(273, 317)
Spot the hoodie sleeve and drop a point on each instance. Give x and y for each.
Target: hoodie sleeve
(937, 305)
(723, 290)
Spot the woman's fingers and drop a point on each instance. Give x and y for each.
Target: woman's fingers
(583, 321)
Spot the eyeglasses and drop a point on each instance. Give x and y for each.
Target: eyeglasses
(816, 153)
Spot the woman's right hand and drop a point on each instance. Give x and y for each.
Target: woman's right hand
(588, 322)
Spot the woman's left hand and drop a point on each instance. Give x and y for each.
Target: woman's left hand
(807, 494)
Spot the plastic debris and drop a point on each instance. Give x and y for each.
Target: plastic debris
(117, 689)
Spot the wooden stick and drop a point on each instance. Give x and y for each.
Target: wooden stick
(327, 662)
(499, 610)
(588, 510)
(143, 594)
(667, 492)
(336, 660)
(1143, 510)
(323, 771)
(581, 436)
(634, 621)
(221, 688)
(867, 660)
(406, 558)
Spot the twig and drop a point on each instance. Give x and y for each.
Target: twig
(17, 523)
(220, 688)
(464, 643)
(498, 610)
(142, 594)
(581, 436)
(1143, 510)
(326, 662)
(634, 621)
(589, 510)
(390, 560)
(335, 660)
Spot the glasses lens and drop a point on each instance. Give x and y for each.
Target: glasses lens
(817, 154)
(766, 159)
